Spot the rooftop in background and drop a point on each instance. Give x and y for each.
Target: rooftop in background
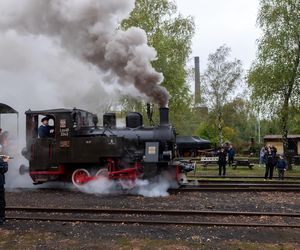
(5, 109)
(269, 137)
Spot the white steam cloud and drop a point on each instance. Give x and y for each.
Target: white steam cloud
(70, 53)
(88, 30)
(104, 186)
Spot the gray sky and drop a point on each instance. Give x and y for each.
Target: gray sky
(232, 22)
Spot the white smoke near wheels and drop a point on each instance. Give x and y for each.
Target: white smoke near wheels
(157, 186)
(104, 186)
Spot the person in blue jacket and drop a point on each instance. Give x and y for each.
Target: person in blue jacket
(3, 169)
(45, 129)
(231, 154)
(281, 167)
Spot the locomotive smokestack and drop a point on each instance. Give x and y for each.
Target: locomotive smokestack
(164, 116)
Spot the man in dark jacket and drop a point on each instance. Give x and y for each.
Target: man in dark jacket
(222, 161)
(270, 159)
(3, 170)
(45, 129)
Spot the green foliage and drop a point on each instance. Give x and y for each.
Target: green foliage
(294, 127)
(220, 80)
(170, 34)
(275, 75)
(270, 127)
(239, 115)
(207, 130)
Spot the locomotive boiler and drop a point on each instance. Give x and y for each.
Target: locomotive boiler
(79, 150)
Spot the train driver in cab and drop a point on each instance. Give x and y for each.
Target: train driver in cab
(45, 131)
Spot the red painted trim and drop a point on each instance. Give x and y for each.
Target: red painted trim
(45, 172)
(61, 170)
(127, 173)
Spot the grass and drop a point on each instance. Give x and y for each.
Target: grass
(243, 171)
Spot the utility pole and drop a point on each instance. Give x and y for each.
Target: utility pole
(258, 123)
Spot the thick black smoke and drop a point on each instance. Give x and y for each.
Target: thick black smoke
(89, 30)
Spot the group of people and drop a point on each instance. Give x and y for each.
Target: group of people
(268, 156)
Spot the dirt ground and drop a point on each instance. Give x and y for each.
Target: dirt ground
(57, 235)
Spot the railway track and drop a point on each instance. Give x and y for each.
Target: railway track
(203, 177)
(285, 182)
(198, 185)
(156, 217)
(195, 185)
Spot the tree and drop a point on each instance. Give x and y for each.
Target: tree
(220, 80)
(275, 74)
(170, 34)
(294, 127)
(239, 115)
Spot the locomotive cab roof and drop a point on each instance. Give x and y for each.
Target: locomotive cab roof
(61, 110)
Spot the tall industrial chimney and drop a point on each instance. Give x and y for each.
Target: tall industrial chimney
(197, 81)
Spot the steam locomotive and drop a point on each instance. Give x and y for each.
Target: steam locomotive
(79, 150)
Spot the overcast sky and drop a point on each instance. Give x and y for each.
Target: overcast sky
(232, 22)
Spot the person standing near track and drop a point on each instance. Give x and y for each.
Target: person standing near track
(270, 159)
(281, 167)
(3, 169)
(231, 154)
(222, 161)
(262, 153)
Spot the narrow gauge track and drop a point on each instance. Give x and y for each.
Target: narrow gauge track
(177, 217)
(236, 186)
(239, 177)
(242, 181)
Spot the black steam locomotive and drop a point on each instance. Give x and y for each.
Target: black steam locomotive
(79, 150)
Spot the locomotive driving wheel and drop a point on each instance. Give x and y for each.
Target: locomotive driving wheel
(102, 173)
(80, 177)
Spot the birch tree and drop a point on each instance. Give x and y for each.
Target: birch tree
(220, 80)
(275, 74)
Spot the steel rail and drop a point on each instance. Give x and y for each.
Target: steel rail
(147, 211)
(222, 184)
(235, 189)
(278, 182)
(238, 177)
(213, 186)
(153, 222)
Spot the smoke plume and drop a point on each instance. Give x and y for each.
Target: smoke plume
(70, 53)
(103, 186)
(89, 31)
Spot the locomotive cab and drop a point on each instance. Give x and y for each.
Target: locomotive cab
(47, 154)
